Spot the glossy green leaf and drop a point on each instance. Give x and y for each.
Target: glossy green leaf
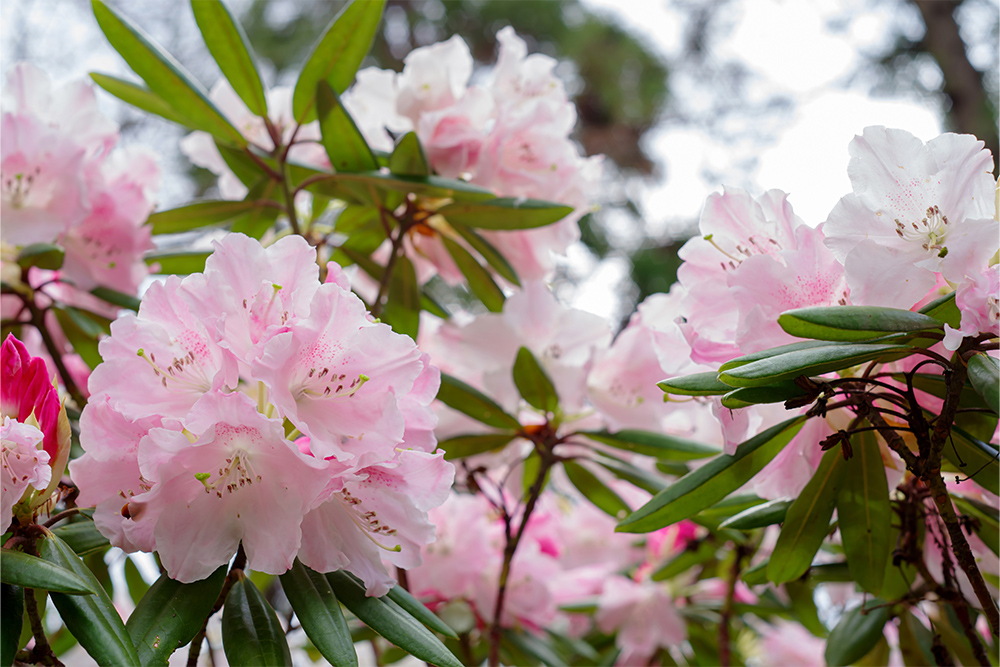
(82, 537)
(480, 281)
(261, 217)
(402, 308)
(242, 163)
(116, 298)
(345, 145)
(915, 641)
(136, 585)
(417, 610)
(140, 97)
(505, 213)
(92, 619)
(813, 361)
(177, 262)
(774, 352)
(533, 383)
(807, 521)
(696, 384)
(856, 634)
(596, 491)
(230, 47)
(469, 445)
(830, 573)
(944, 310)
(408, 157)
(11, 621)
(251, 632)
(802, 596)
(778, 392)
(631, 474)
(731, 506)
(43, 255)
(337, 56)
(319, 613)
(659, 445)
(758, 516)
(852, 323)
(534, 648)
(984, 373)
(685, 560)
(975, 458)
(864, 511)
(197, 215)
(488, 252)
(389, 620)
(164, 75)
(170, 614)
(20, 569)
(470, 401)
(338, 185)
(711, 482)
(81, 332)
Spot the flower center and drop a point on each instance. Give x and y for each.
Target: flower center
(183, 373)
(367, 521)
(237, 473)
(930, 232)
(753, 246)
(321, 383)
(17, 187)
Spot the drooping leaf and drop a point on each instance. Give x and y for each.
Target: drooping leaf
(92, 619)
(345, 145)
(170, 614)
(915, 641)
(488, 252)
(807, 521)
(198, 215)
(711, 482)
(813, 361)
(81, 332)
(20, 569)
(164, 75)
(628, 472)
(354, 187)
(402, 308)
(975, 458)
(82, 537)
(778, 392)
(480, 281)
(43, 255)
(696, 384)
(659, 445)
(319, 613)
(11, 621)
(116, 298)
(853, 323)
(140, 97)
(389, 620)
(944, 310)
(505, 213)
(594, 490)
(470, 401)
(337, 56)
(533, 383)
(417, 610)
(685, 560)
(758, 516)
(136, 585)
(461, 446)
(984, 373)
(177, 262)
(261, 217)
(773, 352)
(231, 49)
(251, 632)
(857, 633)
(863, 511)
(802, 596)
(408, 157)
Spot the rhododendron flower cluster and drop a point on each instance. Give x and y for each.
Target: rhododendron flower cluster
(252, 404)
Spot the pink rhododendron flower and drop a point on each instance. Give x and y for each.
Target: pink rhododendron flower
(24, 465)
(644, 616)
(978, 299)
(786, 643)
(917, 209)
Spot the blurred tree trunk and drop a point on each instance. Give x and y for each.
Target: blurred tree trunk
(971, 112)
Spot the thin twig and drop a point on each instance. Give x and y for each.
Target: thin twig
(238, 564)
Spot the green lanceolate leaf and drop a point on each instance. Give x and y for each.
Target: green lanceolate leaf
(915, 641)
(408, 157)
(170, 614)
(319, 612)
(20, 569)
(345, 146)
(984, 374)
(82, 537)
(389, 620)
(81, 332)
(402, 308)
(853, 323)
(812, 361)
(628, 472)
(944, 310)
(230, 47)
(696, 384)
(336, 185)
(595, 490)
(251, 632)
(533, 382)
(92, 619)
(659, 445)
(116, 298)
(257, 220)
(140, 97)
(685, 560)
(164, 75)
(492, 256)
(197, 215)
(136, 585)
(505, 213)
(975, 458)
(856, 634)
(711, 482)
(758, 516)
(337, 56)
(864, 512)
(177, 262)
(43, 255)
(807, 521)
(470, 401)
(778, 392)
(772, 352)
(417, 610)
(469, 445)
(480, 281)
(11, 621)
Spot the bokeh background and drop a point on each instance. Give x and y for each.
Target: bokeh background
(681, 96)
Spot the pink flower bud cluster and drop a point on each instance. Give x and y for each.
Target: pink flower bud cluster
(252, 404)
(510, 135)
